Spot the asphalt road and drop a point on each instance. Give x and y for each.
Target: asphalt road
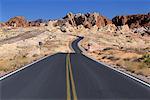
(71, 76)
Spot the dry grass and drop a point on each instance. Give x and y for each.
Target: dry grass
(12, 64)
(136, 67)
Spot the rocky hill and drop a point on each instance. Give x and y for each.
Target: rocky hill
(18, 21)
(133, 21)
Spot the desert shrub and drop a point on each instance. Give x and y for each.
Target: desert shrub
(35, 55)
(146, 58)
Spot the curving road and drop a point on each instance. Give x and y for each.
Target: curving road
(71, 77)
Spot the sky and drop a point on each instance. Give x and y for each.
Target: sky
(54, 9)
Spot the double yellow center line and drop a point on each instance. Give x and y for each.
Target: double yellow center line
(69, 80)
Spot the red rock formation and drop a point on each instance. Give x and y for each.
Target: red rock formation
(18, 21)
(87, 20)
(133, 21)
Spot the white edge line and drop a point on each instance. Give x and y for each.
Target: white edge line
(128, 75)
(28, 65)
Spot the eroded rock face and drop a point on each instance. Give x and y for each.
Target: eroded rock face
(18, 21)
(87, 20)
(133, 21)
